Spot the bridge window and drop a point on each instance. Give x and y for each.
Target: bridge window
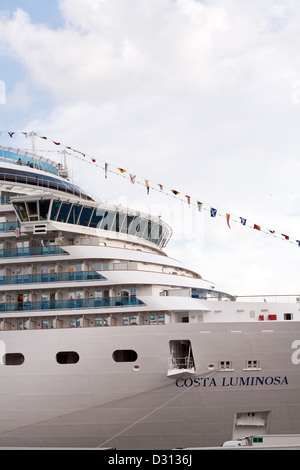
(44, 209)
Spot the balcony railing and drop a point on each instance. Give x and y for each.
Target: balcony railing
(70, 304)
(9, 226)
(52, 277)
(36, 251)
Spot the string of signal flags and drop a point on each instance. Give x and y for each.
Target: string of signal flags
(152, 186)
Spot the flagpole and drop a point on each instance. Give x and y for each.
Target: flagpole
(32, 134)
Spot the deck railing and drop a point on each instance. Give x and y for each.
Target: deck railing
(35, 251)
(51, 277)
(70, 304)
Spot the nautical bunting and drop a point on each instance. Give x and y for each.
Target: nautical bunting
(147, 185)
(200, 206)
(134, 179)
(227, 218)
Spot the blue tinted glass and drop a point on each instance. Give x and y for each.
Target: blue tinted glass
(74, 214)
(85, 216)
(64, 212)
(54, 210)
(97, 218)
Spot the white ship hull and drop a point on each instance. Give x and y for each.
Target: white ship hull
(105, 341)
(98, 402)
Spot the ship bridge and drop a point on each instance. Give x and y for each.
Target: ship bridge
(48, 213)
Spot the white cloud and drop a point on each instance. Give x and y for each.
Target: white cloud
(200, 96)
(19, 98)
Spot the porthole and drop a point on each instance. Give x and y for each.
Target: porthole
(13, 359)
(124, 355)
(67, 357)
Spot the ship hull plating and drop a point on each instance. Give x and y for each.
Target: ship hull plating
(134, 404)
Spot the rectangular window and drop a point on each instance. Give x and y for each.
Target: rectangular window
(21, 211)
(108, 222)
(74, 214)
(32, 210)
(47, 323)
(55, 208)
(252, 364)
(101, 321)
(74, 322)
(152, 320)
(97, 218)
(44, 209)
(85, 216)
(225, 365)
(64, 212)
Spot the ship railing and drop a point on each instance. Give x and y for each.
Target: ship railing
(268, 298)
(33, 251)
(70, 304)
(9, 226)
(185, 362)
(51, 277)
(39, 180)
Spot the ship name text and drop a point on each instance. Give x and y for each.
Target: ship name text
(231, 381)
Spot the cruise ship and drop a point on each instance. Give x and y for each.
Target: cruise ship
(106, 342)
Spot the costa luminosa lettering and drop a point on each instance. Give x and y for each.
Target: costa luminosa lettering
(253, 381)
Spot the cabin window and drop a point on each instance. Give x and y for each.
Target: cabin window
(101, 321)
(124, 355)
(67, 357)
(252, 364)
(225, 365)
(288, 316)
(13, 359)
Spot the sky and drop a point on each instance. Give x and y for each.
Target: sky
(199, 96)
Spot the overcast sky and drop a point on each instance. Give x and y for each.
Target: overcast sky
(200, 96)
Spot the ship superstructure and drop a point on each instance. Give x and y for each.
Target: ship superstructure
(105, 340)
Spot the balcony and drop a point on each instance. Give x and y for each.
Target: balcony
(52, 277)
(35, 251)
(70, 304)
(9, 226)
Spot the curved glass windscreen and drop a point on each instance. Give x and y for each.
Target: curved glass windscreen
(38, 179)
(39, 162)
(94, 217)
